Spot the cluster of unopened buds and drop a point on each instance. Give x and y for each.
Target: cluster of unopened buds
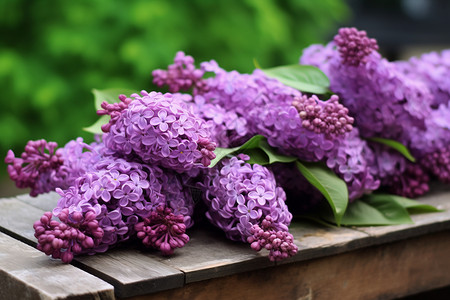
(70, 236)
(280, 243)
(163, 230)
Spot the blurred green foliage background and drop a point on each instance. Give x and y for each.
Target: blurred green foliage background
(53, 53)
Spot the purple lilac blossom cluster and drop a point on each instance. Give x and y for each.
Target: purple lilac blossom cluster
(43, 166)
(390, 100)
(163, 230)
(159, 129)
(238, 106)
(123, 192)
(246, 203)
(397, 174)
(280, 243)
(76, 233)
(37, 168)
(433, 68)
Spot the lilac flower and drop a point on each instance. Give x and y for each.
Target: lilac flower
(157, 140)
(180, 76)
(43, 167)
(433, 69)
(163, 230)
(438, 164)
(390, 100)
(354, 46)
(240, 196)
(279, 243)
(38, 167)
(328, 117)
(77, 233)
(238, 106)
(398, 175)
(383, 101)
(260, 195)
(353, 162)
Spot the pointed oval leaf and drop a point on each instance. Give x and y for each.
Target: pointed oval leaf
(273, 156)
(374, 213)
(411, 205)
(220, 153)
(96, 128)
(305, 78)
(394, 145)
(329, 184)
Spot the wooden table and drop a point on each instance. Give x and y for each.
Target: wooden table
(333, 263)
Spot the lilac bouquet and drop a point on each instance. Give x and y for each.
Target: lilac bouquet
(245, 141)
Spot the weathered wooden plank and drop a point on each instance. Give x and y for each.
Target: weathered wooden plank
(209, 255)
(314, 240)
(46, 202)
(17, 219)
(386, 271)
(131, 271)
(128, 270)
(26, 273)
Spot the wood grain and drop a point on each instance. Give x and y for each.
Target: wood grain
(130, 271)
(332, 262)
(380, 272)
(209, 255)
(26, 273)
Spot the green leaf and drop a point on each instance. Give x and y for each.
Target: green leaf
(258, 149)
(413, 206)
(251, 148)
(257, 156)
(96, 128)
(221, 153)
(305, 78)
(375, 212)
(109, 95)
(273, 156)
(329, 184)
(395, 145)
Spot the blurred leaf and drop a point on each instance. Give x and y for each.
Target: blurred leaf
(394, 145)
(96, 128)
(305, 78)
(329, 184)
(411, 205)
